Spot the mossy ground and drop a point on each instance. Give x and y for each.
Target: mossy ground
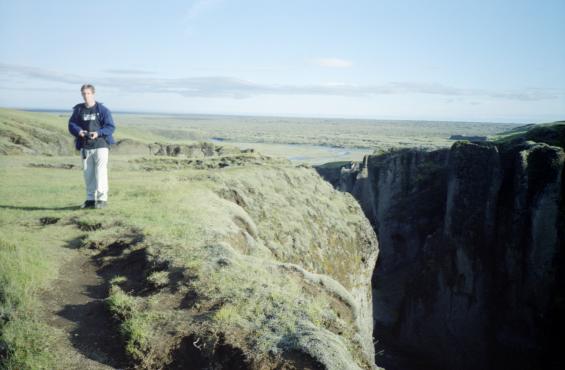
(550, 133)
(208, 246)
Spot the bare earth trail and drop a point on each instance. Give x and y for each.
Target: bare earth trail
(75, 306)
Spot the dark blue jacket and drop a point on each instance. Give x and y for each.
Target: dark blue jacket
(107, 125)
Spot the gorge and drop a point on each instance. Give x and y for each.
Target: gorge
(470, 270)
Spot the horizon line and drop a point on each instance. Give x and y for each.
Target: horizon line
(274, 115)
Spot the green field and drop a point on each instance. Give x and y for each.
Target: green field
(302, 140)
(242, 249)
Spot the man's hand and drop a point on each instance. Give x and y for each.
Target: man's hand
(93, 135)
(82, 133)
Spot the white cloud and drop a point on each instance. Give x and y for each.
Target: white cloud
(333, 62)
(225, 86)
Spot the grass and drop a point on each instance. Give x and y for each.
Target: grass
(550, 133)
(222, 234)
(27, 263)
(330, 132)
(273, 257)
(265, 305)
(135, 325)
(23, 338)
(298, 139)
(24, 132)
(182, 214)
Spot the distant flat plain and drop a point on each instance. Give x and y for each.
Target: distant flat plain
(303, 140)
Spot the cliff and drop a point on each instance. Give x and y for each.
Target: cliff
(470, 271)
(283, 280)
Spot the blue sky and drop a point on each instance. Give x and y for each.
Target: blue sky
(432, 60)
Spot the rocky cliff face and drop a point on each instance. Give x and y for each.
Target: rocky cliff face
(199, 149)
(470, 271)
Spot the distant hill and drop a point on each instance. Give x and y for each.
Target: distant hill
(39, 133)
(33, 133)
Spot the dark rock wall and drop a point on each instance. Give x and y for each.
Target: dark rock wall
(470, 271)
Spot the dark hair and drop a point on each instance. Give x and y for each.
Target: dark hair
(87, 86)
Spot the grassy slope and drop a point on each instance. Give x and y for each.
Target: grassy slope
(550, 133)
(235, 238)
(24, 132)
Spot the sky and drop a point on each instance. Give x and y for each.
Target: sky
(480, 60)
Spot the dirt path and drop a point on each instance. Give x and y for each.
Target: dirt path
(75, 306)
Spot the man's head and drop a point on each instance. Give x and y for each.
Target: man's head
(87, 92)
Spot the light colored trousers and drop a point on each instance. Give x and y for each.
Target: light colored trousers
(95, 170)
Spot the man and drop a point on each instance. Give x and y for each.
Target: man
(92, 125)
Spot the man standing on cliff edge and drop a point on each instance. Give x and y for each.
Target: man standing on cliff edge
(92, 125)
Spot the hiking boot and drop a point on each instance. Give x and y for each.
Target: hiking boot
(100, 204)
(88, 204)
